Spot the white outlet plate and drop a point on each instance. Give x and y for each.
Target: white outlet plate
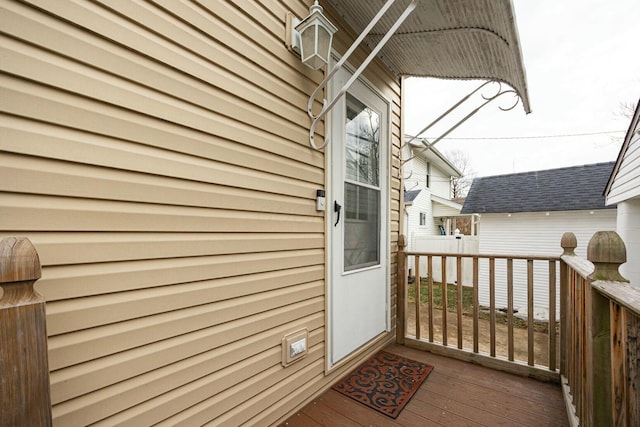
(298, 347)
(294, 346)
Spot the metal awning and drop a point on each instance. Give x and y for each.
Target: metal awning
(462, 39)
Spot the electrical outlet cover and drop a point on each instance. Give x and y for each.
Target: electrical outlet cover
(294, 346)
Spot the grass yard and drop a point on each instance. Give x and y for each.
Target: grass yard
(452, 296)
(467, 303)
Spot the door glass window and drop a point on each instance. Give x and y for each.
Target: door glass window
(362, 143)
(362, 186)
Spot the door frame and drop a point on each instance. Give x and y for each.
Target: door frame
(385, 253)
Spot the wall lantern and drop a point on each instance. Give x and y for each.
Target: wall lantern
(312, 37)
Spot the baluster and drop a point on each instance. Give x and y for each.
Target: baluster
(459, 305)
(618, 362)
(416, 263)
(632, 357)
(492, 305)
(552, 315)
(430, 290)
(476, 306)
(580, 347)
(510, 308)
(568, 244)
(530, 336)
(444, 301)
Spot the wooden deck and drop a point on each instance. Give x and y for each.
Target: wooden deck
(455, 394)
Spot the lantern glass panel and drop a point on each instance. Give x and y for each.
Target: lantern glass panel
(324, 43)
(308, 38)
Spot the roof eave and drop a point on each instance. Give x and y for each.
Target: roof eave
(443, 160)
(623, 149)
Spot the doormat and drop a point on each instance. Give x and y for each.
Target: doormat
(385, 382)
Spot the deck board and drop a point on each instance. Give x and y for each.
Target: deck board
(455, 394)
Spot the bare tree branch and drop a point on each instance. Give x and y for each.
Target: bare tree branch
(627, 109)
(460, 186)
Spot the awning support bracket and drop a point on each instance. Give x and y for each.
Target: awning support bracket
(487, 99)
(328, 105)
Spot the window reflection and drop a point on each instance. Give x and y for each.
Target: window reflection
(362, 143)
(362, 202)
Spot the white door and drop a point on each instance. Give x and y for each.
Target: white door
(358, 247)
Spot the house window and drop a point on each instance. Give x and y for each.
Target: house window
(423, 218)
(428, 176)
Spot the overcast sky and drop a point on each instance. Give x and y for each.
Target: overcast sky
(582, 59)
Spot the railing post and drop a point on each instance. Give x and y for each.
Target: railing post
(607, 252)
(569, 243)
(401, 297)
(24, 372)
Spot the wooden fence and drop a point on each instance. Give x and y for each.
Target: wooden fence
(599, 365)
(414, 308)
(600, 347)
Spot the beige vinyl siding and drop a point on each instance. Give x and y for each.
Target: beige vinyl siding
(157, 155)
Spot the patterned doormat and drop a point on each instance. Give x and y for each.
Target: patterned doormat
(385, 382)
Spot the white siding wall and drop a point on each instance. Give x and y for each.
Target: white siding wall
(533, 233)
(416, 170)
(628, 227)
(440, 183)
(422, 203)
(626, 184)
(439, 186)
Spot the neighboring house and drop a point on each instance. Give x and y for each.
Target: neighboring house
(157, 154)
(431, 217)
(527, 214)
(623, 189)
(429, 209)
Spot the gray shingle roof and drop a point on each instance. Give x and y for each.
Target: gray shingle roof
(565, 189)
(410, 196)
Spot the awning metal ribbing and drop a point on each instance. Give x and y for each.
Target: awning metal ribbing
(451, 39)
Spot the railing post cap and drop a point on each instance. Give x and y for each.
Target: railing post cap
(607, 246)
(569, 243)
(606, 250)
(402, 241)
(19, 260)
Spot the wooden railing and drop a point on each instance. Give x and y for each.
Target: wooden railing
(600, 350)
(540, 363)
(24, 372)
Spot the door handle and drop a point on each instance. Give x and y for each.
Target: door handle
(337, 208)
